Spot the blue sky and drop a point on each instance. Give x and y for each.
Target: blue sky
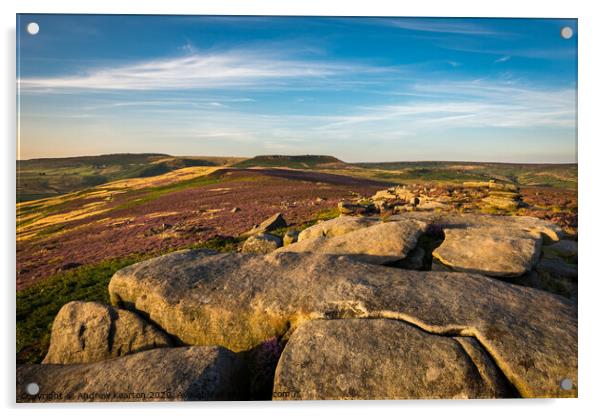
(361, 89)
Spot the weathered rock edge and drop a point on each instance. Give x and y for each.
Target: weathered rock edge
(240, 300)
(165, 374)
(381, 243)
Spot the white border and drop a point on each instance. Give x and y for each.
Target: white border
(590, 68)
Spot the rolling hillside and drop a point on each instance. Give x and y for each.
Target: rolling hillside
(49, 177)
(293, 161)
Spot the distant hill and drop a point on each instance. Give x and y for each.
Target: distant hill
(292, 161)
(540, 175)
(47, 177)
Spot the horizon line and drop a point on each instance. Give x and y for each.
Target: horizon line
(306, 154)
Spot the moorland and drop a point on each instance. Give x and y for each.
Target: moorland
(81, 219)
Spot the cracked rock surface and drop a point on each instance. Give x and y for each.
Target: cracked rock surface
(505, 246)
(383, 359)
(337, 226)
(241, 300)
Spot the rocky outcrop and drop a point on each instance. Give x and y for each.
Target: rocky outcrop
(241, 300)
(85, 332)
(275, 222)
(337, 226)
(489, 184)
(354, 209)
(262, 243)
(167, 374)
(381, 243)
(396, 193)
(488, 250)
(491, 245)
(503, 200)
(383, 359)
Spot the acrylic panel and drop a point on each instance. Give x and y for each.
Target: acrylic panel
(217, 208)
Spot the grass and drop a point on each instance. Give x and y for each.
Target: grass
(38, 305)
(154, 193)
(322, 215)
(290, 161)
(221, 244)
(50, 230)
(551, 175)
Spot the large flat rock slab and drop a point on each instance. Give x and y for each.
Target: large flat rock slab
(489, 250)
(337, 227)
(362, 359)
(167, 374)
(381, 243)
(241, 300)
(84, 332)
(547, 230)
(504, 246)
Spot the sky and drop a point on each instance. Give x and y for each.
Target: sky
(360, 89)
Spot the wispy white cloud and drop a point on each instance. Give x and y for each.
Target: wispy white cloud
(470, 104)
(567, 52)
(461, 27)
(199, 71)
(505, 58)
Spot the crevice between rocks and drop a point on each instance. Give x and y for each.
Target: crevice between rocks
(496, 380)
(513, 387)
(505, 369)
(261, 360)
(421, 256)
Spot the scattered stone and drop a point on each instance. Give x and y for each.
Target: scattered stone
(290, 237)
(500, 186)
(240, 300)
(380, 244)
(501, 203)
(353, 209)
(157, 230)
(275, 222)
(382, 206)
(235, 210)
(388, 194)
(489, 184)
(402, 193)
(167, 374)
(85, 332)
(383, 359)
(262, 243)
(505, 194)
(427, 204)
(68, 266)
